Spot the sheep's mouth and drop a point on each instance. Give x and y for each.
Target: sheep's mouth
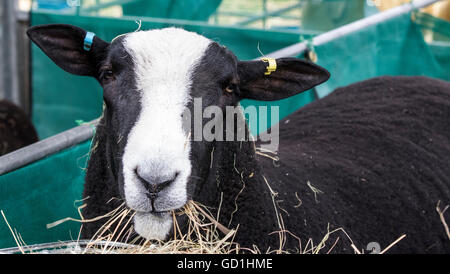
(160, 214)
(154, 212)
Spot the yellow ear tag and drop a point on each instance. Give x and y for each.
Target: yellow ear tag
(272, 65)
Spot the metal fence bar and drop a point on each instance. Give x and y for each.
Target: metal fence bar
(66, 139)
(46, 147)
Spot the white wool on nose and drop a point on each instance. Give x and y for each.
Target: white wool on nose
(164, 61)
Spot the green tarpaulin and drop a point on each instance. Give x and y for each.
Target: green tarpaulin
(42, 193)
(197, 10)
(395, 47)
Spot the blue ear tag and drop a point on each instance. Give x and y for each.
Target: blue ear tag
(88, 39)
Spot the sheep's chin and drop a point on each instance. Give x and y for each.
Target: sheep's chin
(151, 226)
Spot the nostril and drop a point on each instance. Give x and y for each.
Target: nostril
(154, 184)
(166, 183)
(175, 175)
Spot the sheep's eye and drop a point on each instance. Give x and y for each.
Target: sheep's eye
(107, 74)
(230, 88)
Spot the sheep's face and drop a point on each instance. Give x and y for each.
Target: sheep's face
(156, 160)
(157, 85)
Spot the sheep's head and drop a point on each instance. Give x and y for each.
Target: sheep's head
(151, 80)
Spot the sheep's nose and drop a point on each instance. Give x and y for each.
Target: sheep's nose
(154, 183)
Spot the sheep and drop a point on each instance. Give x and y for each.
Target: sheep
(369, 161)
(16, 129)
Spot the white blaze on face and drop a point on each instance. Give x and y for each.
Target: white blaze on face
(164, 61)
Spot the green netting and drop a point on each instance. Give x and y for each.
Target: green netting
(332, 14)
(437, 32)
(395, 47)
(198, 10)
(41, 193)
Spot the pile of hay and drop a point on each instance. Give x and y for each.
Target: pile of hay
(204, 235)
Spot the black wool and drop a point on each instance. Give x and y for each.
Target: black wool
(16, 129)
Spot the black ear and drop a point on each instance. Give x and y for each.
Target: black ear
(65, 45)
(292, 76)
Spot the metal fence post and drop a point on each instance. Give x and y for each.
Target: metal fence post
(10, 86)
(14, 54)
